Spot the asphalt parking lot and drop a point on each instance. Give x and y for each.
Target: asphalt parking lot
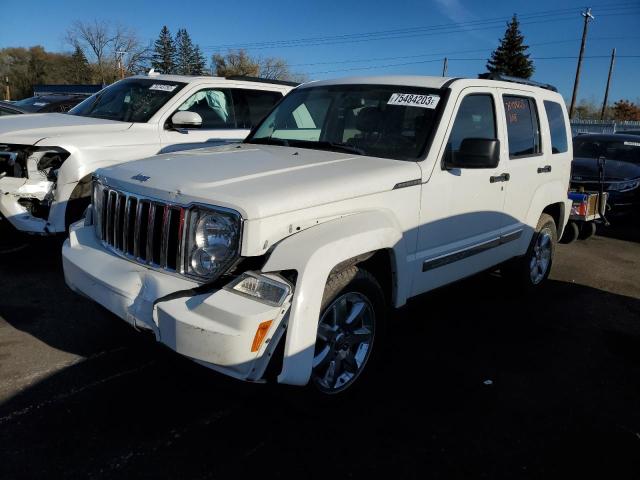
(478, 383)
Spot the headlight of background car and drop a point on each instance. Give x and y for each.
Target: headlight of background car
(213, 242)
(624, 186)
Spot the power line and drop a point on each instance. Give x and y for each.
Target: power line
(480, 24)
(378, 59)
(370, 67)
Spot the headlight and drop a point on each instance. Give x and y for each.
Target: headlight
(624, 186)
(50, 160)
(260, 287)
(212, 243)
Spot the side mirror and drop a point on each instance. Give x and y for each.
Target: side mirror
(475, 153)
(186, 119)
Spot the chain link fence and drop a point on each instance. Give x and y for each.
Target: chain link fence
(597, 126)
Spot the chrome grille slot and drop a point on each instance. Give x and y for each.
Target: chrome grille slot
(143, 230)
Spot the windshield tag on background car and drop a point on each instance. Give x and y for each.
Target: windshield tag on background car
(163, 88)
(412, 100)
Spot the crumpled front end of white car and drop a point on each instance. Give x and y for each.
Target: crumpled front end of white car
(166, 268)
(28, 177)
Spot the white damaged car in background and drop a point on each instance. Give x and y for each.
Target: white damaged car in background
(46, 160)
(352, 196)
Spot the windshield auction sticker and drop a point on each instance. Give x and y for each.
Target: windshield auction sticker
(413, 100)
(162, 87)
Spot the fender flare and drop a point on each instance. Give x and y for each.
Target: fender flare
(549, 194)
(313, 253)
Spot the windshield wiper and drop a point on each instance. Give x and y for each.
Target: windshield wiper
(343, 147)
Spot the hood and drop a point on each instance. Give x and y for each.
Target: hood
(586, 170)
(30, 129)
(259, 180)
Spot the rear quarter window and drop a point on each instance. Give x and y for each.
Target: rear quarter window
(557, 127)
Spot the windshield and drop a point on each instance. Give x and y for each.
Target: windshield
(131, 100)
(376, 120)
(624, 150)
(32, 104)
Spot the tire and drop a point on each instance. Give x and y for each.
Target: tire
(532, 269)
(11, 240)
(571, 233)
(587, 230)
(348, 346)
(75, 209)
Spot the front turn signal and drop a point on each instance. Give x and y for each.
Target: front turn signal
(261, 332)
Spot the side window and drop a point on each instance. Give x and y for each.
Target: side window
(214, 105)
(523, 128)
(557, 127)
(475, 119)
(251, 106)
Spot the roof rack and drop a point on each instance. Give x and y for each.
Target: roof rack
(524, 81)
(262, 80)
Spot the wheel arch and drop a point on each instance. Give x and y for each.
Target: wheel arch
(371, 239)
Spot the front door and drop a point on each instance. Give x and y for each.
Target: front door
(461, 215)
(219, 123)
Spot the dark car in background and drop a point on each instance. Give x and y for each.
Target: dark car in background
(9, 108)
(621, 154)
(52, 103)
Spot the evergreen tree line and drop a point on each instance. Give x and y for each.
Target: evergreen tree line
(177, 56)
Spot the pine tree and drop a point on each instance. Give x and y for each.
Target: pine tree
(80, 69)
(510, 58)
(199, 63)
(185, 53)
(164, 53)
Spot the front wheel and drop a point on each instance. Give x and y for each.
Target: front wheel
(350, 332)
(533, 268)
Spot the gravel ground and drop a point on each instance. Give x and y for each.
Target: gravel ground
(478, 383)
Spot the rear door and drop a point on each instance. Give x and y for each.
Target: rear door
(527, 162)
(461, 214)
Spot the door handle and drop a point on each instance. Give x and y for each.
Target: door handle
(545, 169)
(500, 178)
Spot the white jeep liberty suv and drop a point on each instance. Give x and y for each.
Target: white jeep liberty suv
(351, 197)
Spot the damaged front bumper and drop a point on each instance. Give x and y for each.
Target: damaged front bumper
(25, 204)
(217, 329)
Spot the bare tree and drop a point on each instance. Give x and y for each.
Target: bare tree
(274, 69)
(241, 63)
(93, 38)
(235, 63)
(116, 49)
(128, 52)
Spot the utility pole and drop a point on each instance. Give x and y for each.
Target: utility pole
(7, 91)
(587, 18)
(119, 55)
(444, 67)
(606, 92)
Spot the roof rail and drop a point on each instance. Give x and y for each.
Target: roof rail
(524, 81)
(262, 80)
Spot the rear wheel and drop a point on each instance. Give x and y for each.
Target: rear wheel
(350, 331)
(533, 268)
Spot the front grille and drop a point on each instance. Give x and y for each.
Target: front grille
(144, 230)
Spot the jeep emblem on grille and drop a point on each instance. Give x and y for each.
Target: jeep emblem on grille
(140, 177)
